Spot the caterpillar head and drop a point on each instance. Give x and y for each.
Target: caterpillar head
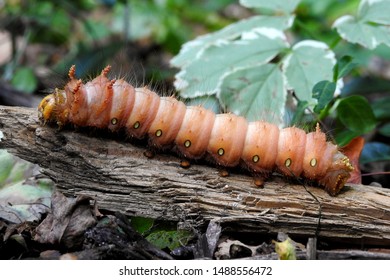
(46, 109)
(337, 174)
(51, 108)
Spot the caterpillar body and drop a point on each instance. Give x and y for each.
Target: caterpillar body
(195, 132)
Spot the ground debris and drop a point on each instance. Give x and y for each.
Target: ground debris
(67, 222)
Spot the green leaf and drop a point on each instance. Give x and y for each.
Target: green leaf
(284, 6)
(299, 112)
(323, 91)
(60, 22)
(97, 30)
(6, 164)
(144, 18)
(142, 224)
(374, 11)
(375, 151)
(24, 80)
(20, 201)
(307, 64)
(356, 114)
(256, 93)
(285, 249)
(385, 130)
(381, 108)
(169, 239)
(203, 76)
(345, 136)
(24, 202)
(193, 49)
(370, 27)
(343, 67)
(13, 169)
(209, 102)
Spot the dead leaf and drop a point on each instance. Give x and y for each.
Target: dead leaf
(67, 222)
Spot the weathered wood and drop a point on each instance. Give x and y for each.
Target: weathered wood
(121, 178)
(331, 255)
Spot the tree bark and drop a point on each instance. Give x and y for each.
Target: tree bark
(118, 175)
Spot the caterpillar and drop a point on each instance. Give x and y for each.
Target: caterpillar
(194, 132)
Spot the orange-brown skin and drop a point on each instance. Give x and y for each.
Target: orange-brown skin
(318, 155)
(167, 122)
(261, 147)
(291, 150)
(143, 113)
(122, 105)
(227, 139)
(195, 132)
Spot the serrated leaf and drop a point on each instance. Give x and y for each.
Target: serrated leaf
(307, 64)
(375, 151)
(192, 49)
(256, 93)
(210, 102)
(284, 6)
(365, 34)
(24, 80)
(323, 91)
(370, 27)
(356, 114)
(374, 11)
(204, 74)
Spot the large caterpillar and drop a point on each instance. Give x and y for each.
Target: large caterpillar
(194, 132)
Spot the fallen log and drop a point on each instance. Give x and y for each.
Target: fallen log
(119, 176)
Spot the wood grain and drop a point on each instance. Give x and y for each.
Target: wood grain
(121, 178)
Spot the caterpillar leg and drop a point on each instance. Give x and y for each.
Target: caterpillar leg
(259, 181)
(223, 172)
(149, 153)
(184, 163)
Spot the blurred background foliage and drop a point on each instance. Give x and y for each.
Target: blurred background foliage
(46, 37)
(40, 40)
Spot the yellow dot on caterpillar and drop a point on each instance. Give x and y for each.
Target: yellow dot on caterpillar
(288, 162)
(220, 151)
(114, 121)
(255, 158)
(187, 143)
(136, 124)
(158, 132)
(313, 162)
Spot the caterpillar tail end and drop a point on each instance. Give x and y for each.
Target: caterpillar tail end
(46, 109)
(337, 175)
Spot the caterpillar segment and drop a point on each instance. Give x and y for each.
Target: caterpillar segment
(195, 132)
